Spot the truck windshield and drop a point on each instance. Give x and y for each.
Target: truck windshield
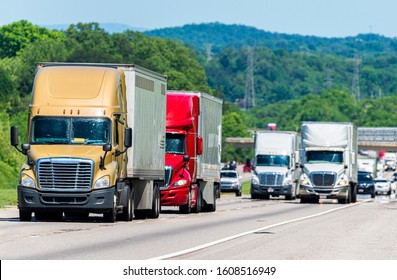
(272, 160)
(324, 157)
(364, 177)
(64, 130)
(175, 143)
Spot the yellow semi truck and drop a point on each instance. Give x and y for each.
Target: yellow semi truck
(96, 139)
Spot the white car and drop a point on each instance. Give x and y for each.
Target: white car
(382, 186)
(230, 182)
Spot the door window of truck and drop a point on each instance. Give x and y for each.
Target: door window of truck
(272, 160)
(175, 143)
(324, 157)
(62, 130)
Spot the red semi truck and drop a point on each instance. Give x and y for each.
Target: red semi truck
(193, 151)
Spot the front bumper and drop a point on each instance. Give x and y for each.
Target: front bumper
(97, 201)
(365, 190)
(271, 190)
(174, 196)
(230, 187)
(339, 192)
(382, 190)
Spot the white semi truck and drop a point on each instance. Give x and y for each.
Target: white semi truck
(276, 164)
(329, 162)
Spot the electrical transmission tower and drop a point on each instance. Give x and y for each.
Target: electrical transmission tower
(249, 99)
(208, 51)
(356, 83)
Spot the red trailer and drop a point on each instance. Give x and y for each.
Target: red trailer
(193, 147)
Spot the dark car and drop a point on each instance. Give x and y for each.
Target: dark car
(366, 184)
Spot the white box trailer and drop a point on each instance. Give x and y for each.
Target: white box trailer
(276, 162)
(329, 158)
(146, 109)
(210, 129)
(367, 165)
(146, 103)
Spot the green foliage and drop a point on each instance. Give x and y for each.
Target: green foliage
(221, 36)
(16, 36)
(233, 126)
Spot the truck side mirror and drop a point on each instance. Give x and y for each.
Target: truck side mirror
(199, 145)
(14, 136)
(107, 147)
(14, 141)
(186, 158)
(128, 137)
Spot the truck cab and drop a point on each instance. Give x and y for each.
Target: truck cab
(329, 162)
(193, 126)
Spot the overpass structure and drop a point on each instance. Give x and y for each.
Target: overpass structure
(369, 138)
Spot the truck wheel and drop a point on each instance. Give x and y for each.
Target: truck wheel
(238, 193)
(128, 210)
(110, 216)
(25, 216)
(354, 195)
(185, 209)
(197, 208)
(211, 207)
(154, 213)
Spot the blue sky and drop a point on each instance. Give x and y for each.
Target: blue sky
(326, 18)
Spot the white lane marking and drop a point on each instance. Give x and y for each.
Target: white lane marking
(216, 242)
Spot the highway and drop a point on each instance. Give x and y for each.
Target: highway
(240, 229)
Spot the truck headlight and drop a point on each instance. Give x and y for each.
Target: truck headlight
(287, 181)
(254, 180)
(27, 182)
(304, 180)
(342, 182)
(180, 183)
(103, 182)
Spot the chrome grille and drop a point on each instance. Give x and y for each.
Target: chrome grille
(271, 179)
(322, 179)
(65, 174)
(167, 179)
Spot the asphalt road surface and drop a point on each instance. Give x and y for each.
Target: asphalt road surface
(241, 228)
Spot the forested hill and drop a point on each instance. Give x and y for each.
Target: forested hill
(220, 36)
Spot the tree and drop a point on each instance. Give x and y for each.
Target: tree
(16, 36)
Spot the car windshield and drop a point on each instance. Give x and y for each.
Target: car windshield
(380, 181)
(324, 157)
(272, 160)
(363, 177)
(70, 130)
(228, 175)
(175, 143)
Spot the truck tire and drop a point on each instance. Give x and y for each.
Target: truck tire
(154, 213)
(25, 216)
(111, 215)
(211, 207)
(197, 208)
(185, 209)
(128, 210)
(354, 194)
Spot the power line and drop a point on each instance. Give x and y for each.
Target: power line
(249, 99)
